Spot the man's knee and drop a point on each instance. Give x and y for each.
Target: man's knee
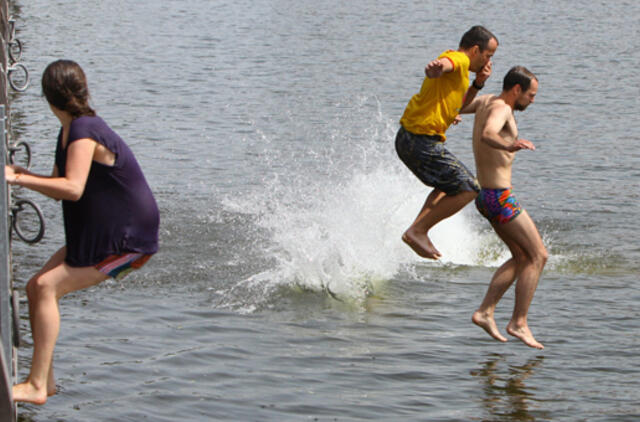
(540, 256)
(521, 258)
(537, 257)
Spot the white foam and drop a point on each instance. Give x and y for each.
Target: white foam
(342, 231)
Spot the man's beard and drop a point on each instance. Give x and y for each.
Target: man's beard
(520, 107)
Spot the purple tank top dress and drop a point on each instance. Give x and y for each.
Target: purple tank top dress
(117, 212)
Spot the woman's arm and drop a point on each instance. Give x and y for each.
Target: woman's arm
(71, 187)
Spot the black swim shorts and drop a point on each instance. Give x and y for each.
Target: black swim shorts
(429, 160)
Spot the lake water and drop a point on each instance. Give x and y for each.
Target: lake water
(282, 291)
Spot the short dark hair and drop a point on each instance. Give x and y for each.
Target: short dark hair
(518, 75)
(64, 85)
(477, 35)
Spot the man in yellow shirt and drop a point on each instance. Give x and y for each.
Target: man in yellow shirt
(420, 139)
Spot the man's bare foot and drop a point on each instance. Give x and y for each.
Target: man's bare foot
(487, 323)
(524, 334)
(52, 389)
(27, 392)
(421, 244)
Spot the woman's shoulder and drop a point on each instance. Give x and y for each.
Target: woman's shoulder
(88, 121)
(88, 127)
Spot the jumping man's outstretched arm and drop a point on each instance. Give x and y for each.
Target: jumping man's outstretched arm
(437, 67)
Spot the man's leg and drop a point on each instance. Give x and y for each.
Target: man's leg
(502, 279)
(435, 166)
(437, 207)
(524, 241)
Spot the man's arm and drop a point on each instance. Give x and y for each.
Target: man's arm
(477, 85)
(497, 119)
(437, 67)
(471, 107)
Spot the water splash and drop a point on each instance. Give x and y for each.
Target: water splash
(334, 223)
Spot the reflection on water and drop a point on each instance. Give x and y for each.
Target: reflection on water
(506, 397)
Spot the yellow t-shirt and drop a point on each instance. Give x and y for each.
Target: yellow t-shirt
(433, 109)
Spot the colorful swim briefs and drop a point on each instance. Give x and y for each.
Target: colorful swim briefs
(433, 164)
(118, 266)
(499, 206)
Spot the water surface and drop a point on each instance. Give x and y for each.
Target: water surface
(282, 290)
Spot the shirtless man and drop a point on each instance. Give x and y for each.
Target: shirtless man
(495, 142)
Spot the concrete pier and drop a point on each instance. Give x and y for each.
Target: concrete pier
(8, 352)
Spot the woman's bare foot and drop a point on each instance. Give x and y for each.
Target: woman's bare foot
(487, 323)
(27, 392)
(421, 244)
(524, 334)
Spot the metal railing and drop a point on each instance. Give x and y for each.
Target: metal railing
(8, 354)
(19, 215)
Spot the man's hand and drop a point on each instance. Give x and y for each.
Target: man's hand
(435, 68)
(483, 75)
(522, 144)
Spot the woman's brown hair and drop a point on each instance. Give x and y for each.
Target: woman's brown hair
(64, 85)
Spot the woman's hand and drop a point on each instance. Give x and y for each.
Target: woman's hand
(12, 173)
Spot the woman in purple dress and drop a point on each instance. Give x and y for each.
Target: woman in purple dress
(110, 216)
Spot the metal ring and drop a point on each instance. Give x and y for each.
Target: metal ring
(16, 55)
(15, 307)
(15, 148)
(16, 209)
(11, 71)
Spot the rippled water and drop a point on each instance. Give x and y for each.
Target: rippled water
(282, 290)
